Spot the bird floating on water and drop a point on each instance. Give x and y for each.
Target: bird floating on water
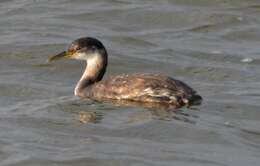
(142, 88)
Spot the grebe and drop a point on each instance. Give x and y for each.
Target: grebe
(146, 88)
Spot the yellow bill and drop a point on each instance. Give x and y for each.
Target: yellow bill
(64, 54)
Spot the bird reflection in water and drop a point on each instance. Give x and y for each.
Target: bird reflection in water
(155, 111)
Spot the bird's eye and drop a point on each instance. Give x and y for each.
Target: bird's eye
(78, 48)
(73, 48)
(93, 48)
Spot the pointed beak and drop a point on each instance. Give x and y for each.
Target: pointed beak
(64, 54)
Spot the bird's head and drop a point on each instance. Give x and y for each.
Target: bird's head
(82, 49)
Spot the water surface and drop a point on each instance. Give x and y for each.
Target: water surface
(211, 45)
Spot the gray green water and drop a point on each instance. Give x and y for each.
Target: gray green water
(213, 45)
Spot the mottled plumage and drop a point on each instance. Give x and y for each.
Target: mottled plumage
(143, 88)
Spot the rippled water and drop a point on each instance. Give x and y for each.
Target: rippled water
(213, 45)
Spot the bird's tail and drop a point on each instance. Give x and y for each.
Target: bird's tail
(195, 99)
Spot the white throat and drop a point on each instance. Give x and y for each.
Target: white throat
(92, 68)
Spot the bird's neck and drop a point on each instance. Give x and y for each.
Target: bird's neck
(94, 72)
